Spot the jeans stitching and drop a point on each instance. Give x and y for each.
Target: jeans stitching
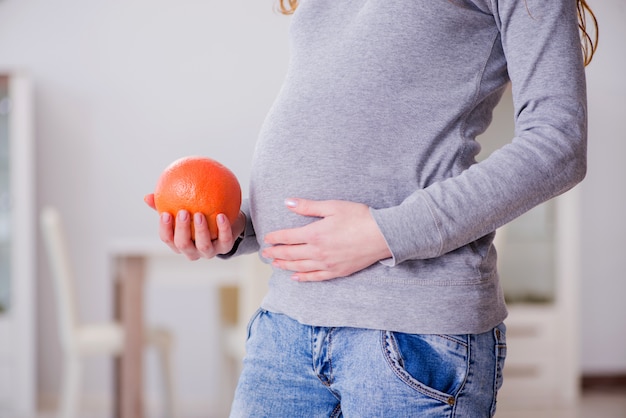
(329, 356)
(453, 339)
(468, 360)
(336, 413)
(500, 353)
(326, 378)
(256, 314)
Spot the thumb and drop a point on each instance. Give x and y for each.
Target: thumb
(149, 199)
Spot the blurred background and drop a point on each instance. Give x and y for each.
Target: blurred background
(122, 88)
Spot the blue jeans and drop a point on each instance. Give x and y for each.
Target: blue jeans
(293, 370)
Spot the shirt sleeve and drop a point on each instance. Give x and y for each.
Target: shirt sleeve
(547, 156)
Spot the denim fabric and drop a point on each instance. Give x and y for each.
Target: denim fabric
(293, 370)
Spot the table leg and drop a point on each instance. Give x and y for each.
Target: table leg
(128, 379)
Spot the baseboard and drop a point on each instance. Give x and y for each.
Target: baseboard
(604, 381)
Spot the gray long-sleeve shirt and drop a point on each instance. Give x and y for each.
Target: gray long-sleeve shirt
(381, 105)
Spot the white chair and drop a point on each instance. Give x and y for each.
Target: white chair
(79, 340)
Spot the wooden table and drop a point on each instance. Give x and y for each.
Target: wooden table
(130, 261)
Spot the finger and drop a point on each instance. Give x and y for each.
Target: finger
(306, 207)
(291, 252)
(292, 236)
(203, 243)
(166, 230)
(301, 266)
(302, 235)
(182, 235)
(149, 199)
(225, 239)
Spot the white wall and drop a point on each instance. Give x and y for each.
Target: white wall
(125, 87)
(122, 89)
(604, 200)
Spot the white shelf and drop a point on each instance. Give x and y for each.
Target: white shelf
(542, 367)
(17, 357)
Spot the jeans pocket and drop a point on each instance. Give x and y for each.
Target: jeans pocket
(253, 319)
(434, 365)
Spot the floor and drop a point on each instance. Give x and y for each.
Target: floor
(594, 404)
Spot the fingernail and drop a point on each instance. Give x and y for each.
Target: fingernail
(183, 215)
(291, 203)
(197, 218)
(221, 218)
(295, 278)
(166, 217)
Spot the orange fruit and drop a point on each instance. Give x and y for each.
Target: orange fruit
(198, 184)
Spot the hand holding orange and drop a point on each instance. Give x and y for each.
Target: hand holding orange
(198, 185)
